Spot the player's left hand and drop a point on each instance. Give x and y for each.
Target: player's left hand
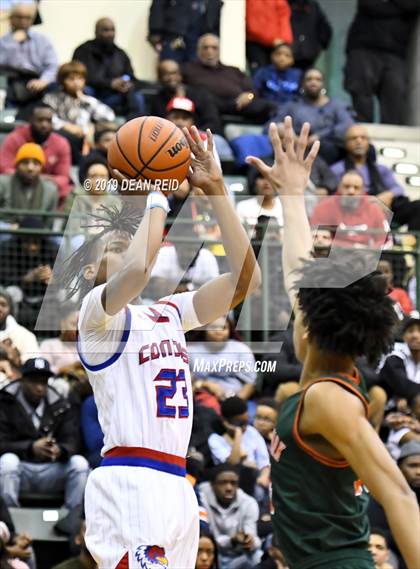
(289, 174)
(206, 173)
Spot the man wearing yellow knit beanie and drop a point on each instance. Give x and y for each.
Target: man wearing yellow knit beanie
(25, 189)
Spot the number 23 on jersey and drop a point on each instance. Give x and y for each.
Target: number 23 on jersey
(171, 383)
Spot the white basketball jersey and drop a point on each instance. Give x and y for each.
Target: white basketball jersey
(142, 387)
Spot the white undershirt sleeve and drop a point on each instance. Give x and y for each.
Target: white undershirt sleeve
(99, 333)
(184, 303)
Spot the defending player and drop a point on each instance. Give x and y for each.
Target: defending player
(326, 453)
(140, 509)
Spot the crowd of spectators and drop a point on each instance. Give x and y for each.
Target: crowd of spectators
(50, 436)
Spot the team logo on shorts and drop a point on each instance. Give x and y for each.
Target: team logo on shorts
(277, 447)
(151, 557)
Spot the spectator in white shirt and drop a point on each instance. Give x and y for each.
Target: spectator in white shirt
(61, 353)
(181, 261)
(219, 357)
(21, 338)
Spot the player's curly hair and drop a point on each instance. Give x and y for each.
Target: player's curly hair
(354, 320)
(123, 220)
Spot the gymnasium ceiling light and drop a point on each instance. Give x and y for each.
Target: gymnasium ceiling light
(392, 152)
(406, 168)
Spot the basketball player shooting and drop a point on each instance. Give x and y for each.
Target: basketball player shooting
(325, 454)
(141, 511)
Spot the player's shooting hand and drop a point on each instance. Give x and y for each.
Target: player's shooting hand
(137, 189)
(206, 173)
(289, 174)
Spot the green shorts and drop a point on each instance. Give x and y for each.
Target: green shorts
(350, 564)
(341, 559)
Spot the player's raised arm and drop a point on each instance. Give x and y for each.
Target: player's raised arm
(129, 282)
(289, 176)
(339, 417)
(218, 296)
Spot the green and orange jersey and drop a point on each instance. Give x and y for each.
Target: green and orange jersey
(319, 503)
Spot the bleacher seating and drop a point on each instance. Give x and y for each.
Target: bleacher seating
(398, 148)
(50, 547)
(7, 122)
(233, 130)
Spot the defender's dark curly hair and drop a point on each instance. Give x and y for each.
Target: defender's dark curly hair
(123, 220)
(355, 320)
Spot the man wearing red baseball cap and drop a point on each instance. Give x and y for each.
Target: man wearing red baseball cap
(182, 112)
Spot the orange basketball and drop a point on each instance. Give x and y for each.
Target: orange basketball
(150, 148)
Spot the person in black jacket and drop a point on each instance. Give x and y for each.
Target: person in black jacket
(110, 75)
(376, 50)
(400, 374)
(176, 25)
(39, 439)
(311, 31)
(287, 369)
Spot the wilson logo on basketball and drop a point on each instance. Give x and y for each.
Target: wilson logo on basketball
(177, 148)
(156, 131)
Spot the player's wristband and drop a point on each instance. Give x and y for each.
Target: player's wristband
(156, 199)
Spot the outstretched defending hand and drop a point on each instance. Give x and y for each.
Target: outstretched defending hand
(206, 173)
(289, 175)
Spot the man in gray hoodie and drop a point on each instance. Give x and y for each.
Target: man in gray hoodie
(233, 517)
